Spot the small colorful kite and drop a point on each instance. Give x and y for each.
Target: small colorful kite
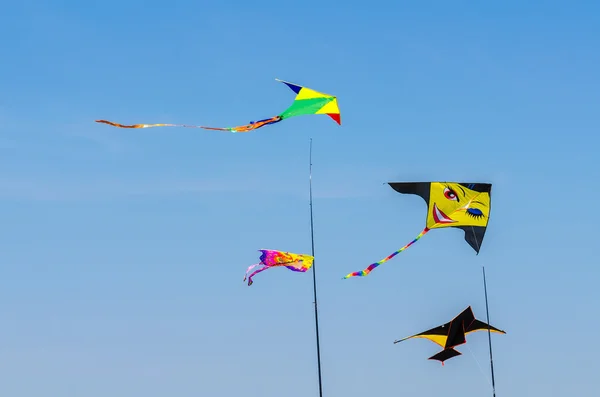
(449, 204)
(307, 101)
(453, 333)
(272, 258)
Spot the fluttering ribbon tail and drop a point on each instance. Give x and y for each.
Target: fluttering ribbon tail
(243, 128)
(248, 127)
(372, 266)
(262, 269)
(250, 268)
(146, 125)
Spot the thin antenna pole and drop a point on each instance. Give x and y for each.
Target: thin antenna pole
(489, 332)
(312, 241)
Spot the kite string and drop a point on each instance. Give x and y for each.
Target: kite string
(479, 365)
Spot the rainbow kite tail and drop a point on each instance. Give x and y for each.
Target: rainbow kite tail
(372, 266)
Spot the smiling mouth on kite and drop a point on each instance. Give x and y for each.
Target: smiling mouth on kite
(439, 216)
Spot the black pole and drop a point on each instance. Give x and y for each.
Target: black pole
(312, 241)
(489, 332)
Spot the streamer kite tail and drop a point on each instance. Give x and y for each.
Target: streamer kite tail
(254, 273)
(250, 268)
(118, 125)
(253, 125)
(371, 267)
(242, 128)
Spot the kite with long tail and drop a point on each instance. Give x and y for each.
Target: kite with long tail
(449, 204)
(273, 258)
(307, 101)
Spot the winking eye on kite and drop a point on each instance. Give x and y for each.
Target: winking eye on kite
(307, 101)
(273, 258)
(452, 334)
(449, 204)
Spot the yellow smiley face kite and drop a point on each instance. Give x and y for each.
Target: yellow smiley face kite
(449, 204)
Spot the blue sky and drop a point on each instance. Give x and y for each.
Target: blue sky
(123, 251)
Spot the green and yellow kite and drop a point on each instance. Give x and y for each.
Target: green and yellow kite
(307, 101)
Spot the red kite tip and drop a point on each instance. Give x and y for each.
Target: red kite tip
(336, 117)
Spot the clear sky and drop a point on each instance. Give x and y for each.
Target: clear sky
(123, 251)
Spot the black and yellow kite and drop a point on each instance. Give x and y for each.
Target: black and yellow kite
(449, 204)
(453, 334)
